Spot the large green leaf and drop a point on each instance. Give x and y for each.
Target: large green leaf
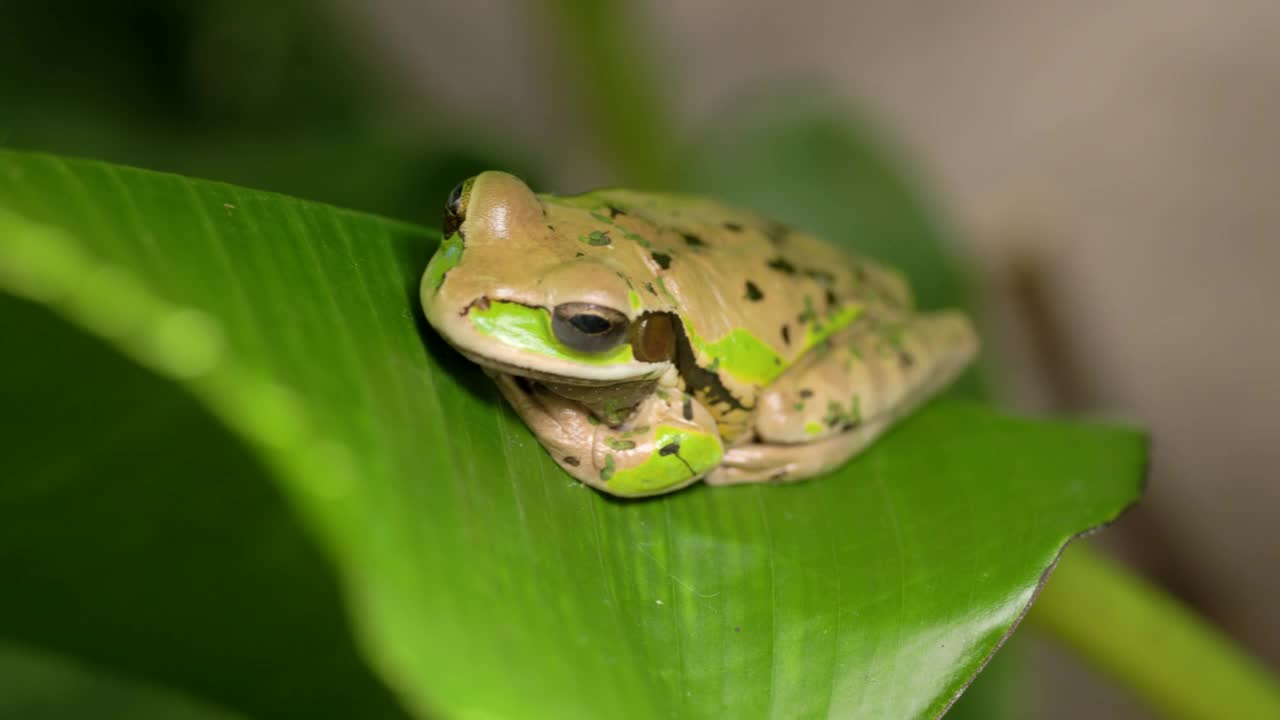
(259, 356)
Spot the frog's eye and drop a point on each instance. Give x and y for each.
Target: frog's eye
(455, 208)
(588, 328)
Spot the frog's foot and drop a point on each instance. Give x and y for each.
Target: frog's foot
(666, 443)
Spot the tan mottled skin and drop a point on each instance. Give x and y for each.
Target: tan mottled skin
(716, 269)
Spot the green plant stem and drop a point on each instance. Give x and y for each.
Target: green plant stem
(605, 49)
(1147, 640)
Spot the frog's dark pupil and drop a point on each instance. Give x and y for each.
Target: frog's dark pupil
(590, 324)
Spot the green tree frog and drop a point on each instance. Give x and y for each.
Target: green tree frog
(653, 340)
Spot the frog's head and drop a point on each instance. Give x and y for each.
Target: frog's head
(513, 289)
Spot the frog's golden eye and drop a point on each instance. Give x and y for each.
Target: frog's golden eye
(588, 328)
(455, 208)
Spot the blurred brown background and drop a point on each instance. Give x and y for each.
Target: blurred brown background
(1114, 168)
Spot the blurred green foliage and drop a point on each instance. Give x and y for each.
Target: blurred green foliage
(278, 96)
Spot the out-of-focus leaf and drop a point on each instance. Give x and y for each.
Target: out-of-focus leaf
(203, 65)
(40, 686)
(139, 536)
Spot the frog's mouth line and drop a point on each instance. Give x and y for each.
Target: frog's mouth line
(529, 373)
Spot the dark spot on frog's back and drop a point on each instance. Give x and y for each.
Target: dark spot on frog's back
(786, 334)
(692, 240)
(572, 461)
(733, 227)
(687, 409)
(663, 259)
(832, 301)
(753, 292)
(671, 448)
(614, 211)
(782, 265)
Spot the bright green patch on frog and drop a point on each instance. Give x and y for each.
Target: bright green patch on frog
(530, 329)
(740, 354)
(838, 320)
(447, 257)
(634, 298)
(751, 360)
(680, 455)
(813, 427)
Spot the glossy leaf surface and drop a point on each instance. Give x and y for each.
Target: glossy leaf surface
(272, 349)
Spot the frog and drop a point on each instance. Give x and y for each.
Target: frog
(653, 340)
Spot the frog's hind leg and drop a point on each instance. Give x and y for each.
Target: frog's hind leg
(764, 462)
(827, 409)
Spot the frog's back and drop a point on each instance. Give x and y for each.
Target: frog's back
(742, 276)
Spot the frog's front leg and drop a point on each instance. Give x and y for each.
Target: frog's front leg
(668, 441)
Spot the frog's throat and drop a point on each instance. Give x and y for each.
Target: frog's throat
(595, 405)
(612, 403)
